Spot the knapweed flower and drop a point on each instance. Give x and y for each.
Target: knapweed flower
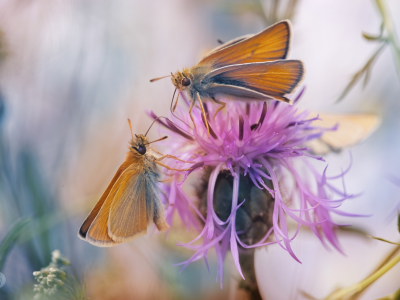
(253, 173)
(55, 283)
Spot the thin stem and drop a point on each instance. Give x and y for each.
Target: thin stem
(69, 288)
(249, 285)
(349, 292)
(388, 23)
(388, 258)
(396, 295)
(274, 11)
(290, 10)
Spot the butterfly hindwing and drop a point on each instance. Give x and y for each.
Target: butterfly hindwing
(265, 80)
(236, 91)
(128, 216)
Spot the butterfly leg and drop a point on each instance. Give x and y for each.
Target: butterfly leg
(169, 168)
(190, 114)
(222, 106)
(173, 108)
(158, 152)
(204, 114)
(174, 157)
(176, 102)
(165, 180)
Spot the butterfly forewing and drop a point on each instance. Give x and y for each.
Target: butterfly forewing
(90, 218)
(97, 233)
(271, 79)
(271, 44)
(128, 215)
(230, 43)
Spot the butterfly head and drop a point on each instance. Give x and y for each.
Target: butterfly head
(139, 144)
(182, 80)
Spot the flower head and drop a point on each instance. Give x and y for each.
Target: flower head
(256, 156)
(55, 283)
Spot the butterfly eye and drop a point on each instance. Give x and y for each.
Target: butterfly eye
(186, 82)
(141, 149)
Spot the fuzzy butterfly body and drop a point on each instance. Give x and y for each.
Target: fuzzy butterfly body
(130, 202)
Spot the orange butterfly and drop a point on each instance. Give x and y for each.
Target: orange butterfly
(352, 129)
(252, 67)
(131, 200)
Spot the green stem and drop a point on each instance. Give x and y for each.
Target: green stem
(290, 10)
(250, 284)
(341, 294)
(388, 23)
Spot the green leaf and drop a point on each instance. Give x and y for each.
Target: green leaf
(365, 71)
(394, 296)
(361, 232)
(375, 38)
(307, 295)
(398, 222)
(383, 240)
(370, 37)
(11, 238)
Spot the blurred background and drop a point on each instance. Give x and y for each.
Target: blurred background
(72, 72)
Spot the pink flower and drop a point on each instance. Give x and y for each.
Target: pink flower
(262, 146)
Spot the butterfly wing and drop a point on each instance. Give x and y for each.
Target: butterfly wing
(264, 80)
(127, 195)
(95, 211)
(352, 129)
(271, 44)
(237, 91)
(128, 216)
(230, 43)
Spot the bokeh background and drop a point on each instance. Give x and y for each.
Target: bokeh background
(72, 72)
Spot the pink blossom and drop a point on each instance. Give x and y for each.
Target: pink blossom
(262, 140)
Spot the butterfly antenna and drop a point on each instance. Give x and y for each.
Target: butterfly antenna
(130, 126)
(163, 138)
(158, 78)
(152, 125)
